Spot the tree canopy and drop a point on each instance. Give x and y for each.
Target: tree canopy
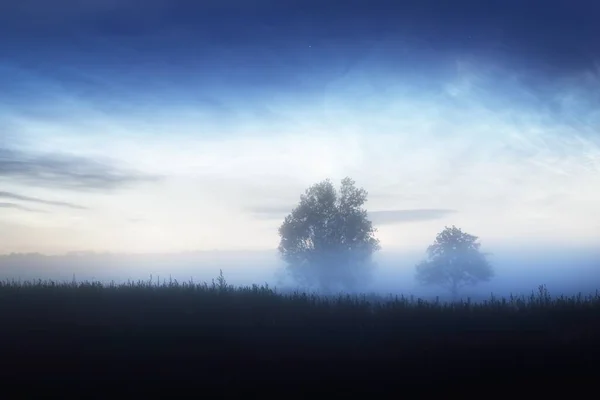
(454, 261)
(327, 240)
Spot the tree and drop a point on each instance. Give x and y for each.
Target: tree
(454, 261)
(327, 240)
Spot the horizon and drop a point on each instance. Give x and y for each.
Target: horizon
(517, 271)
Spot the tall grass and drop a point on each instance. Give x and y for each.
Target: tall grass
(219, 302)
(218, 331)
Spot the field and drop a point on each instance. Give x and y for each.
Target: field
(217, 334)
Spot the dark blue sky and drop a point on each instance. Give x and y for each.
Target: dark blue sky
(263, 44)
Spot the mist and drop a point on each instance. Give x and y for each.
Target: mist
(517, 272)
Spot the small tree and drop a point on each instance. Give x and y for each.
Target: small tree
(327, 240)
(454, 261)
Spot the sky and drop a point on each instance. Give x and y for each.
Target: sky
(171, 126)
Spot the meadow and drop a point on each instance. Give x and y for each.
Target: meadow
(224, 334)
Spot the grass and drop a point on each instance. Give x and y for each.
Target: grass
(250, 326)
(189, 303)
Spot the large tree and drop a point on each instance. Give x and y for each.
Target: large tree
(327, 241)
(454, 261)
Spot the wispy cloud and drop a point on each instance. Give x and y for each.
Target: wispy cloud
(274, 212)
(65, 171)
(20, 207)
(387, 217)
(384, 217)
(14, 196)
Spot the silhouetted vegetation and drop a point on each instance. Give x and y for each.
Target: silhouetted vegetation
(454, 261)
(327, 240)
(248, 333)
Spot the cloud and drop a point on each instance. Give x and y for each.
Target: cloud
(274, 212)
(14, 196)
(384, 217)
(19, 207)
(387, 217)
(65, 171)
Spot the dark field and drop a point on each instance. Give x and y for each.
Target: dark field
(215, 334)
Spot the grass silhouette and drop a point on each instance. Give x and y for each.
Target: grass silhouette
(218, 332)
